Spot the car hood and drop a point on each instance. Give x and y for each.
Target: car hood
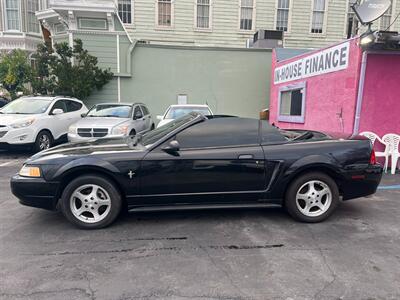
(72, 151)
(164, 121)
(100, 122)
(8, 119)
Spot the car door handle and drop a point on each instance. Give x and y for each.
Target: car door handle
(246, 156)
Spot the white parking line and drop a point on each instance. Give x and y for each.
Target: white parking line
(6, 163)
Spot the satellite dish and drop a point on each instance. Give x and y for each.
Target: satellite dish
(371, 10)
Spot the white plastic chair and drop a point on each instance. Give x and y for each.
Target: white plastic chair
(373, 137)
(392, 140)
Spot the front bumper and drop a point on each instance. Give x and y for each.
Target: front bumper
(361, 183)
(75, 138)
(20, 136)
(35, 192)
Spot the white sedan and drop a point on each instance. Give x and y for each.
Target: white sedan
(111, 120)
(38, 121)
(176, 111)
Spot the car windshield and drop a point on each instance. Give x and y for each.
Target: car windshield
(112, 111)
(26, 106)
(177, 112)
(156, 134)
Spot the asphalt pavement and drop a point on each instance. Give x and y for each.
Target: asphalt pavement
(219, 254)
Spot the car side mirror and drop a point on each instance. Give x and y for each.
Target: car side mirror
(57, 111)
(172, 148)
(159, 118)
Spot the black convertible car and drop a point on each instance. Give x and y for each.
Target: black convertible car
(200, 162)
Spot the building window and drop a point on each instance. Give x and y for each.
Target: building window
(318, 16)
(59, 28)
(13, 15)
(125, 8)
(246, 14)
(386, 18)
(33, 23)
(352, 22)
(291, 104)
(93, 24)
(282, 15)
(203, 11)
(164, 12)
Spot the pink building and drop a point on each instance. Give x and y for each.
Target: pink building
(337, 89)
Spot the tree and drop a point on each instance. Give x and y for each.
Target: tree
(68, 71)
(15, 72)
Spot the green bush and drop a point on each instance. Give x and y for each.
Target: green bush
(15, 72)
(67, 71)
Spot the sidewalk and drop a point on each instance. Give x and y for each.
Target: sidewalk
(390, 181)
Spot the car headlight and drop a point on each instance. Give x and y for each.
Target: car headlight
(23, 124)
(121, 129)
(72, 129)
(28, 171)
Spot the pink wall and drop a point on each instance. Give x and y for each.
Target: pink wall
(326, 96)
(380, 110)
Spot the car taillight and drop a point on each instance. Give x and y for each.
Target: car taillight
(372, 160)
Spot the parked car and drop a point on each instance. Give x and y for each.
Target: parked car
(3, 102)
(112, 120)
(176, 111)
(38, 121)
(200, 162)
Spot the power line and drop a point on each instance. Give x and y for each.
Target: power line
(392, 22)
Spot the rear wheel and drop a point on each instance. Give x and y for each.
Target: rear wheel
(312, 197)
(44, 141)
(91, 202)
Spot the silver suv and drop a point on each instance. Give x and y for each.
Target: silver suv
(111, 120)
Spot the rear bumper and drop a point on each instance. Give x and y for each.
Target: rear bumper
(361, 183)
(35, 192)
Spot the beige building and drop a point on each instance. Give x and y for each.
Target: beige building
(231, 23)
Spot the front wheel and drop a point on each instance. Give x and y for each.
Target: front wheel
(91, 202)
(44, 141)
(312, 197)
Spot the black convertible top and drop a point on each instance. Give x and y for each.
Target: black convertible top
(246, 131)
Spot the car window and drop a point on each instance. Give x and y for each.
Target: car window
(221, 132)
(155, 135)
(26, 106)
(137, 113)
(73, 105)
(60, 104)
(177, 112)
(110, 111)
(145, 110)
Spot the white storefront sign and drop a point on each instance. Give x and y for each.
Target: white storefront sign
(326, 61)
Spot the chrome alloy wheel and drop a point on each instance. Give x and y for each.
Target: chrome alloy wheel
(44, 142)
(90, 203)
(314, 198)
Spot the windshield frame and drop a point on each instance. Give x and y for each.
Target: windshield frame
(49, 105)
(197, 119)
(113, 105)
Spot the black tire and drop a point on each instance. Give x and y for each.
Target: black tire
(132, 133)
(103, 183)
(291, 201)
(39, 146)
